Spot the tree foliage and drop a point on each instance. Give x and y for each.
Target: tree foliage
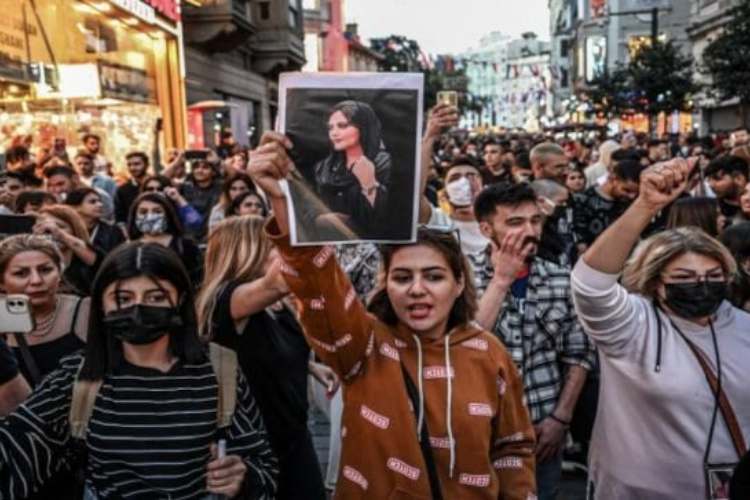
(657, 79)
(726, 58)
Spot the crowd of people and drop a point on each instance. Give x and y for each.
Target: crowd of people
(569, 297)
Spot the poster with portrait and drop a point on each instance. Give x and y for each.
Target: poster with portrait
(356, 140)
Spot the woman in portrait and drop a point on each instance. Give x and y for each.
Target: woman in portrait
(353, 180)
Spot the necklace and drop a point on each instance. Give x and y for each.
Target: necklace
(44, 326)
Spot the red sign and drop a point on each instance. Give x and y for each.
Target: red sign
(167, 8)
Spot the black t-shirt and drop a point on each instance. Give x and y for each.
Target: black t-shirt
(8, 364)
(273, 355)
(592, 214)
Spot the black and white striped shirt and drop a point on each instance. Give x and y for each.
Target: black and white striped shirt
(149, 435)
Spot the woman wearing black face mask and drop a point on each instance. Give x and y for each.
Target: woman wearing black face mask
(146, 403)
(674, 354)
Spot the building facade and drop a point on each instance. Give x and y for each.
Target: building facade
(510, 78)
(235, 51)
(707, 19)
(331, 45)
(112, 68)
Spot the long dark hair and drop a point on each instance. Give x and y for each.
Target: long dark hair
(103, 352)
(445, 243)
(698, 211)
(362, 116)
(174, 227)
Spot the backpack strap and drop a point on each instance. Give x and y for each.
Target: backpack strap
(82, 404)
(224, 362)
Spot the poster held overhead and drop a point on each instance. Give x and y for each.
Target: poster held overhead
(356, 140)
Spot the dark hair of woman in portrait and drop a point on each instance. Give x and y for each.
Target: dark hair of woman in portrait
(353, 181)
(737, 239)
(153, 218)
(698, 211)
(88, 203)
(146, 359)
(250, 203)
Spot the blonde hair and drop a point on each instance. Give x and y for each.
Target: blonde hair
(237, 250)
(642, 273)
(70, 217)
(19, 243)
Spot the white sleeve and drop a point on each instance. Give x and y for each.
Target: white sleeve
(612, 317)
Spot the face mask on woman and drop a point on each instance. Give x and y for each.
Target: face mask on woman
(459, 192)
(140, 324)
(696, 299)
(151, 223)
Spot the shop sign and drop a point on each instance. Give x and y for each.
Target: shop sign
(646, 4)
(125, 83)
(139, 9)
(167, 8)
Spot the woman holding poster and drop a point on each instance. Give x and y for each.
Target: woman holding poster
(352, 181)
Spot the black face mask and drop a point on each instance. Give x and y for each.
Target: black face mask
(696, 299)
(141, 324)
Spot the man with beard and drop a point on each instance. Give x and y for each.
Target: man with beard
(548, 161)
(497, 163)
(137, 163)
(728, 175)
(526, 301)
(92, 144)
(558, 242)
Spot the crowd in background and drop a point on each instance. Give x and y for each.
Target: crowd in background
(543, 224)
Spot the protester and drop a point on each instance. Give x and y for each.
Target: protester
(599, 205)
(250, 203)
(62, 179)
(420, 326)
(85, 166)
(548, 161)
(88, 203)
(143, 353)
(496, 164)
(597, 172)
(700, 212)
(137, 163)
(575, 181)
(153, 219)
(11, 185)
(659, 337)
(240, 307)
(728, 177)
(29, 202)
(558, 242)
(551, 351)
(233, 187)
(737, 240)
(92, 144)
(66, 229)
(463, 183)
(202, 190)
(33, 266)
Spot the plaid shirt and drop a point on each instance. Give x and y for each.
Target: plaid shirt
(541, 331)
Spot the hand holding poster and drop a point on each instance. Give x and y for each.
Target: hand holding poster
(356, 143)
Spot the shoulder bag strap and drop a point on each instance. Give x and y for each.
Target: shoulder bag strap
(424, 440)
(28, 359)
(724, 404)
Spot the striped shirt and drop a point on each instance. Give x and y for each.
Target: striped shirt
(149, 435)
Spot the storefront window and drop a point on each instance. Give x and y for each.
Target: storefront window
(70, 67)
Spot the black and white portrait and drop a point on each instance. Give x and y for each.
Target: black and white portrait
(356, 154)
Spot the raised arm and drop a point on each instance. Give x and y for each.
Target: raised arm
(604, 308)
(440, 118)
(335, 322)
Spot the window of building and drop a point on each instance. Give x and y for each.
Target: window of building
(265, 10)
(294, 13)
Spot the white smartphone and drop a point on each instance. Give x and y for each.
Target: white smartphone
(15, 314)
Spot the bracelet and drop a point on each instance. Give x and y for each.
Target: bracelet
(558, 420)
